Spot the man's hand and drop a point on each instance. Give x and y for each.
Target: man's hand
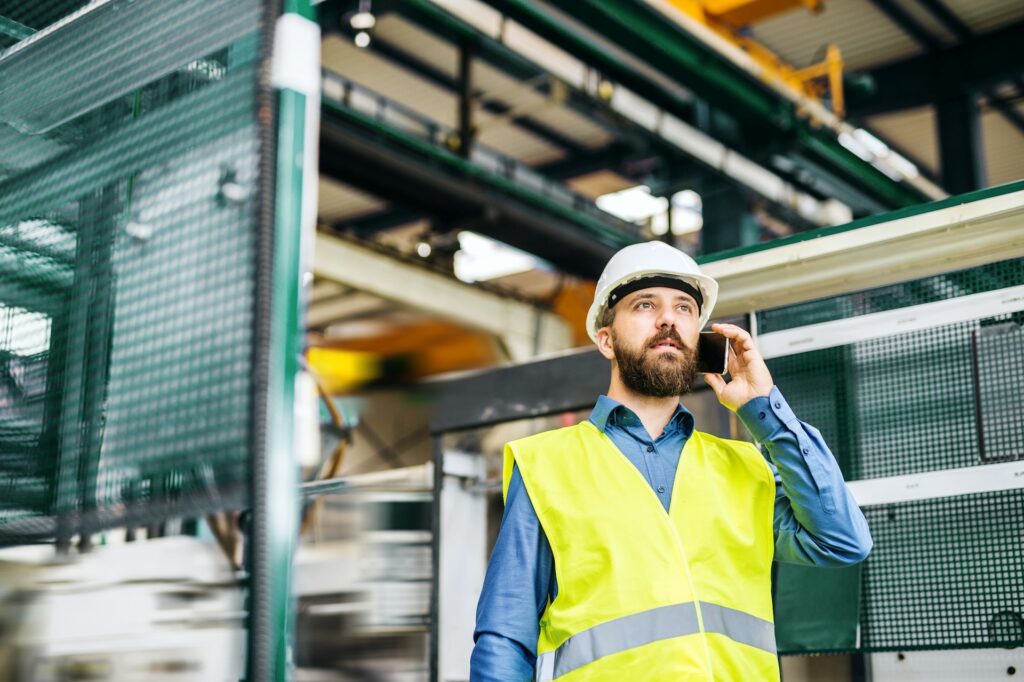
(750, 376)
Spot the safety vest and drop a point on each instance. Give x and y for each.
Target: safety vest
(644, 594)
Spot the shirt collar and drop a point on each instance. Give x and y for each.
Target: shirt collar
(608, 411)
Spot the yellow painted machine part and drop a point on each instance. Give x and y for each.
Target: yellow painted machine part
(413, 351)
(739, 13)
(340, 371)
(728, 17)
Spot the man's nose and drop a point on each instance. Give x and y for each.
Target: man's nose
(667, 318)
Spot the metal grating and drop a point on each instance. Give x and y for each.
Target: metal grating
(945, 573)
(127, 262)
(924, 401)
(928, 290)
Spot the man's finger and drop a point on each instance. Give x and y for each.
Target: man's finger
(741, 338)
(716, 382)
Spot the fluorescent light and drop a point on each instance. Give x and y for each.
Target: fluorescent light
(687, 198)
(876, 146)
(635, 204)
(363, 21)
(903, 165)
(480, 258)
(856, 146)
(685, 221)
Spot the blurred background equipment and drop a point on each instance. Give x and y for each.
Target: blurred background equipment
(150, 339)
(168, 608)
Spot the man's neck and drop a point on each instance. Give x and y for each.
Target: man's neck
(654, 413)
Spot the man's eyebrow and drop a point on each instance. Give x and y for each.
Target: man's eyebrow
(642, 296)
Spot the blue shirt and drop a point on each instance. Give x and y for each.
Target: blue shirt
(816, 522)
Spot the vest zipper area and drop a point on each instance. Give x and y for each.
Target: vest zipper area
(667, 518)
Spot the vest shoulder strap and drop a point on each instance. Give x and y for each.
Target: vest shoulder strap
(546, 442)
(748, 453)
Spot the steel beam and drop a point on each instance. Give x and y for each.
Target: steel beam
(956, 233)
(540, 388)
(289, 106)
(908, 24)
(636, 129)
(964, 33)
(442, 80)
(378, 221)
(959, 132)
(14, 29)
(961, 159)
(983, 62)
(948, 19)
(424, 177)
(611, 157)
(442, 296)
(651, 37)
(464, 116)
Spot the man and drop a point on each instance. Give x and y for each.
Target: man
(634, 547)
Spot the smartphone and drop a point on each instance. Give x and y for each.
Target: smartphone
(712, 353)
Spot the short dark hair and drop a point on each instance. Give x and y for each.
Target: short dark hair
(607, 317)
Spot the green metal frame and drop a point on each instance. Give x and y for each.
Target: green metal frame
(14, 29)
(276, 502)
(599, 231)
(888, 216)
(644, 32)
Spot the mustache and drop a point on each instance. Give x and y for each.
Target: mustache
(669, 334)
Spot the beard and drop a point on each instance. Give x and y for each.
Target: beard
(656, 374)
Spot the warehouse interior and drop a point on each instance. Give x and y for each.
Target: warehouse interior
(279, 279)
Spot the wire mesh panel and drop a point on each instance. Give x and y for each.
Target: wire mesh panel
(129, 147)
(927, 400)
(943, 287)
(946, 572)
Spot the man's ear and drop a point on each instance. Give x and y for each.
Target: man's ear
(604, 343)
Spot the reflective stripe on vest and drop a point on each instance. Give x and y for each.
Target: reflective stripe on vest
(638, 629)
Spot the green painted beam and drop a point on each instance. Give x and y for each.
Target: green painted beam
(653, 38)
(14, 29)
(611, 235)
(888, 216)
(980, 63)
(630, 135)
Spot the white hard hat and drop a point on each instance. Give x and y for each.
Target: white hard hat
(655, 260)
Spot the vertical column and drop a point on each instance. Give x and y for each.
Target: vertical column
(728, 223)
(288, 223)
(960, 153)
(465, 118)
(462, 560)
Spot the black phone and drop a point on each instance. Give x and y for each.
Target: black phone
(712, 353)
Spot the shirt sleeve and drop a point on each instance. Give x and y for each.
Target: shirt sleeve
(519, 579)
(817, 521)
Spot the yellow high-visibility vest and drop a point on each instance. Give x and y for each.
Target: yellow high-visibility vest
(644, 594)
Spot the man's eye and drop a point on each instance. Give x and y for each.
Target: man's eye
(643, 304)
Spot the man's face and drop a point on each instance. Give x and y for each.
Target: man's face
(654, 340)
